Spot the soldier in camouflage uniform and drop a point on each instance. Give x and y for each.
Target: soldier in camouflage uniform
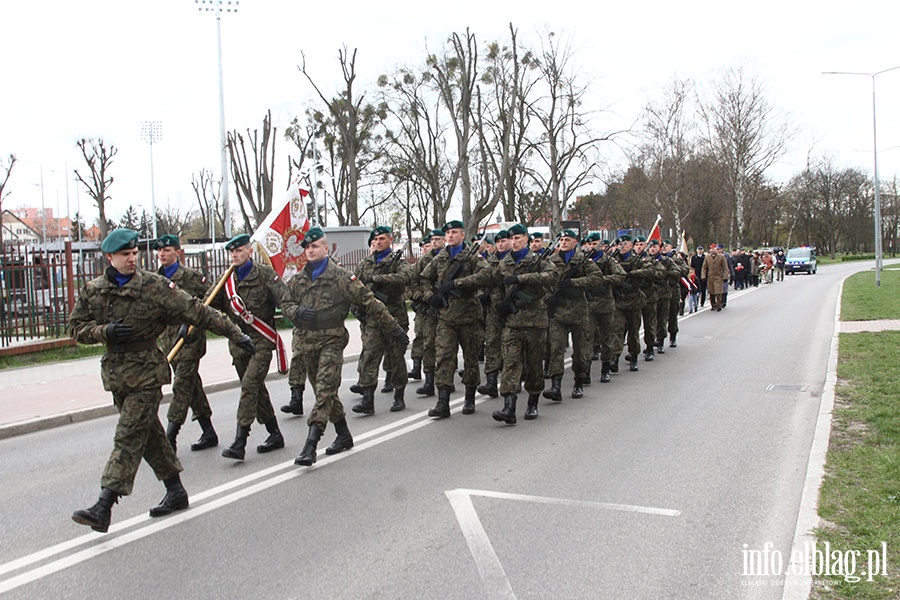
(490, 298)
(568, 311)
(677, 268)
(127, 309)
(602, 304)
(261, 291)
(418, 346)
(629, 302)
(321, 295)
(526, 278)
(420, 291)
(652, 274)
(187, 387)
(296, 378)
(386, 274)
(458, 320)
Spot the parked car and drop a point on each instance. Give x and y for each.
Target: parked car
(801, 260)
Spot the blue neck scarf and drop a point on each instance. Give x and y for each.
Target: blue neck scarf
(598, 255)
(454, 250)
(567, 256)
(170, 270)
(517, 256)
(502, 255)
(122, 279)
(627, 255)
(317, 268)
(244, 270)
(380, 256)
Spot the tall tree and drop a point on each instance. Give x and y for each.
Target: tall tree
(99, 158)
(253, 179)
(6, 168)
(208, 194)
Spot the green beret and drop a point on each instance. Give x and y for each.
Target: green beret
(119, 239)
(593, 237)
(639, 238)
(536, 236)
(478, 236)
(424, 240)
(501, 235)
(437, 233)
(381, 230)
(604, 242)
(455, 224)
(653, 242)
(669, 242)
(311, 236)
(624, 238)
(241, 239)
(569, 233)
(517, 229)
(166, 241)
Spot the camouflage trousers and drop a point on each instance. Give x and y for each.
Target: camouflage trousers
(559, 335)
(518, 345)
(648, 316)
(377, 345)
(418, 344)
(599, 334)
(139, 434)
(429, 358)
(252, 370)
(493, 330)
(662, 318)
(297, 370)
(187, 392)
(627, 323)
(674, 309)
(449, 337)
(323, 357)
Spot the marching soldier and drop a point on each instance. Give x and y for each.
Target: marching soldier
(321, 295)
(568, 309)
(526, 278)
(127, 309)
(418, 345)
(629, 302)
(420, 291)
(650, 276)
(679, 268)
(252, 294)
(187, 387)
(296, 378)
(454, 274)
(386, 274)
(602, 304)
(490, 298)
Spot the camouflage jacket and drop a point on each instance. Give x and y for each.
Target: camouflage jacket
(195, 284)
(463, 307)
(568, 302)
(536, 282)
(150, 303)
(629, 295)
(262, 291)
(331, 294)
(654, 275)
(600, 298)
(388, 281)
(419, 289)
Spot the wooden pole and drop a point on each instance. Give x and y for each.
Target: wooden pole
(177, 348)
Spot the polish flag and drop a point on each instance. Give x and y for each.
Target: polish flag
(654, 232)
(278, 237)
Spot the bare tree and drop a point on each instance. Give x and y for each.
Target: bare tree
(208, 194)
(6, 168)
(253, 180)
(98, 158)
(173, 219)
(747, 136)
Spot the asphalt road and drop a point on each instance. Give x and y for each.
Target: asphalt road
(648, 487)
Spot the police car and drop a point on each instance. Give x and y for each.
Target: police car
(801, 260)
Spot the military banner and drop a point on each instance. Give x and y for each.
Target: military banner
(278, 237)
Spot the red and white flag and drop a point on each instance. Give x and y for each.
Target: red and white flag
(654, 232)
(684, 247)
(279, 235)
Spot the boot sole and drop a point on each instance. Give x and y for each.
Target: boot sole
(304, 463)
(167, 511)
(502, 419)
(292, 411)
(360, 411)
(204, 445)
(331, 452)
(92, 524)
(397, 408)
(232, 455)
(262, 448)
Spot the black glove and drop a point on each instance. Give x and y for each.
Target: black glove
(118, 332)
(485, 299)
(368, 281)
(246, 344)
(183, 333)
(446, 287)
(565, 283)
(511, 280)
(503, 311)
(307, 315)
(400, 335)
(436, 301)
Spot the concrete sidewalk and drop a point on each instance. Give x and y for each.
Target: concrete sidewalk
(49, 395)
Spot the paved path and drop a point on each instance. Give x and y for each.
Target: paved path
(48, 395)
(858, 326)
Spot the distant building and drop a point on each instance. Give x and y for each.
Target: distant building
(17, 230)
(43, 223)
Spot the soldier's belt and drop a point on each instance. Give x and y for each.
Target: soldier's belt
(131, 347)
(324, 324)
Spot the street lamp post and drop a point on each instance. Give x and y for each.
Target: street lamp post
(151, 131)
(878, 250)
(217, 6)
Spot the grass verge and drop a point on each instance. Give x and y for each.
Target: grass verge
(862, 301)
(48, 356)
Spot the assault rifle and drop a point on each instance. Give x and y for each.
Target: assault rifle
(439, 298)
(381, 296)
(508, 306)
(561, 294)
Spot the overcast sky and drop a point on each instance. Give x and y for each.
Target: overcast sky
(99, 68)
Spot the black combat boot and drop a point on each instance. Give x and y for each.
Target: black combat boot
(648, 354)
(490, 386)
(632, 365)
(469, 403)
(295, 406)
(442, 408)
(275, 441)
(388, 386)
(172, 434)
(531, 412)
(672, 343)
(416, 372)
(604, 373)
(554, 393)
(239, 445)
(614, 364)
(356, 388)
(507, 414)
(343, 441)
(208, 439)
(176, 498)
(399, 404)
(308, 455)
(660, 343)
(97, 517)
(427, 388)
(578, 390)
(366, 406)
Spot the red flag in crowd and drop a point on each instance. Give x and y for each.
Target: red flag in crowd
(654, 232)
(280, 234)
